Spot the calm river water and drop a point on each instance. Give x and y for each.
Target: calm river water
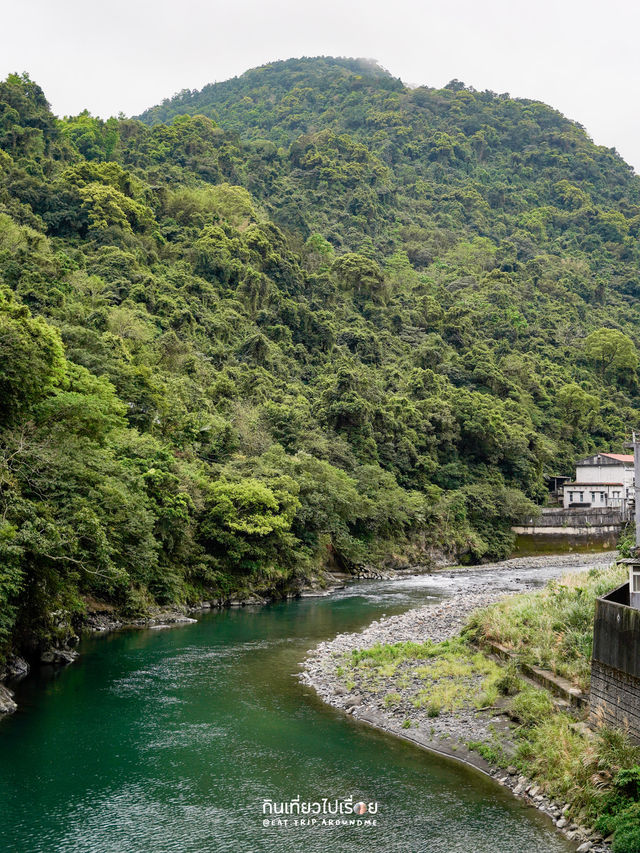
(157, 741)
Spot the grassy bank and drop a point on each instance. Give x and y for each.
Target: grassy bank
(551, 628)
(598, 773)
(458, 692)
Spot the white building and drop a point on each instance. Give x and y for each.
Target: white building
(604, 480)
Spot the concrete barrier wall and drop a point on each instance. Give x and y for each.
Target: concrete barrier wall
(615, 698)
(616, 633)
(615, 668)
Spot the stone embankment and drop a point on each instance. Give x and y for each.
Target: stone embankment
(449, 733)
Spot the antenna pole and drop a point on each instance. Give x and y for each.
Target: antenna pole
(636, 469)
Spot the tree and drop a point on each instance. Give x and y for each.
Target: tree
(31, 358)
(611, 351)
(577, 408)
(246, 525)
(349, 295)
(360, 274)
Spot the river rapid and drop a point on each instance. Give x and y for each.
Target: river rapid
(157, 741)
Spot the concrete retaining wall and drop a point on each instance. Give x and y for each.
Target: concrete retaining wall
(549, 680)
(589, 523)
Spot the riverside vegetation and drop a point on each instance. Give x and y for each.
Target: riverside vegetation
(308, 317)
(597, 775)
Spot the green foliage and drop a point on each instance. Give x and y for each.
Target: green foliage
(611, 350)
(627, 540)
(531, 706)
(31, 359)
(315, 319)
(246, 525)
(509, 683)
(627, 830)
(359, 274)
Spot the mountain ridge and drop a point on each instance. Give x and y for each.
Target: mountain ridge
(344, 324)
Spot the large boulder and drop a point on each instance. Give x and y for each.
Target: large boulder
(7, 704)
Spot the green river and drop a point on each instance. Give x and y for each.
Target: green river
(156, 741)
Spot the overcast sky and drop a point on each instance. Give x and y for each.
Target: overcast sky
(123, 56)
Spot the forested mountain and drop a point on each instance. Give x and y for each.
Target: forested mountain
(305, 317)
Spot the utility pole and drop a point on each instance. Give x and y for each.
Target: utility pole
(635, 444)
(636, 472)
(634, 563)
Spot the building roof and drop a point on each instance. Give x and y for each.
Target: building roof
(607, 459)
(619, 457)
(579, 485)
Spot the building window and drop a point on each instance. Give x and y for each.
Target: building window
(593, 497)
(635, 578)
(581, 497)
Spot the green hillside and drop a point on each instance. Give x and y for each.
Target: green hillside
(307, 317)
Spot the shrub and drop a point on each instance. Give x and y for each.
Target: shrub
(509, 682)
(552, 628)
(392, 699)
(627, 833)
(627, 782)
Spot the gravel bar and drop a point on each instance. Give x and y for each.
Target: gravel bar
(448, 734)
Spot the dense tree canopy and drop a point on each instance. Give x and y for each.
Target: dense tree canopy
(308, 317)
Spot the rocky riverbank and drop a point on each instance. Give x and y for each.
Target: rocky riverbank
(101, 617)
(64, 652)
(446, 733)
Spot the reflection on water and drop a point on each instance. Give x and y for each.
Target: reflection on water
(161, 741)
